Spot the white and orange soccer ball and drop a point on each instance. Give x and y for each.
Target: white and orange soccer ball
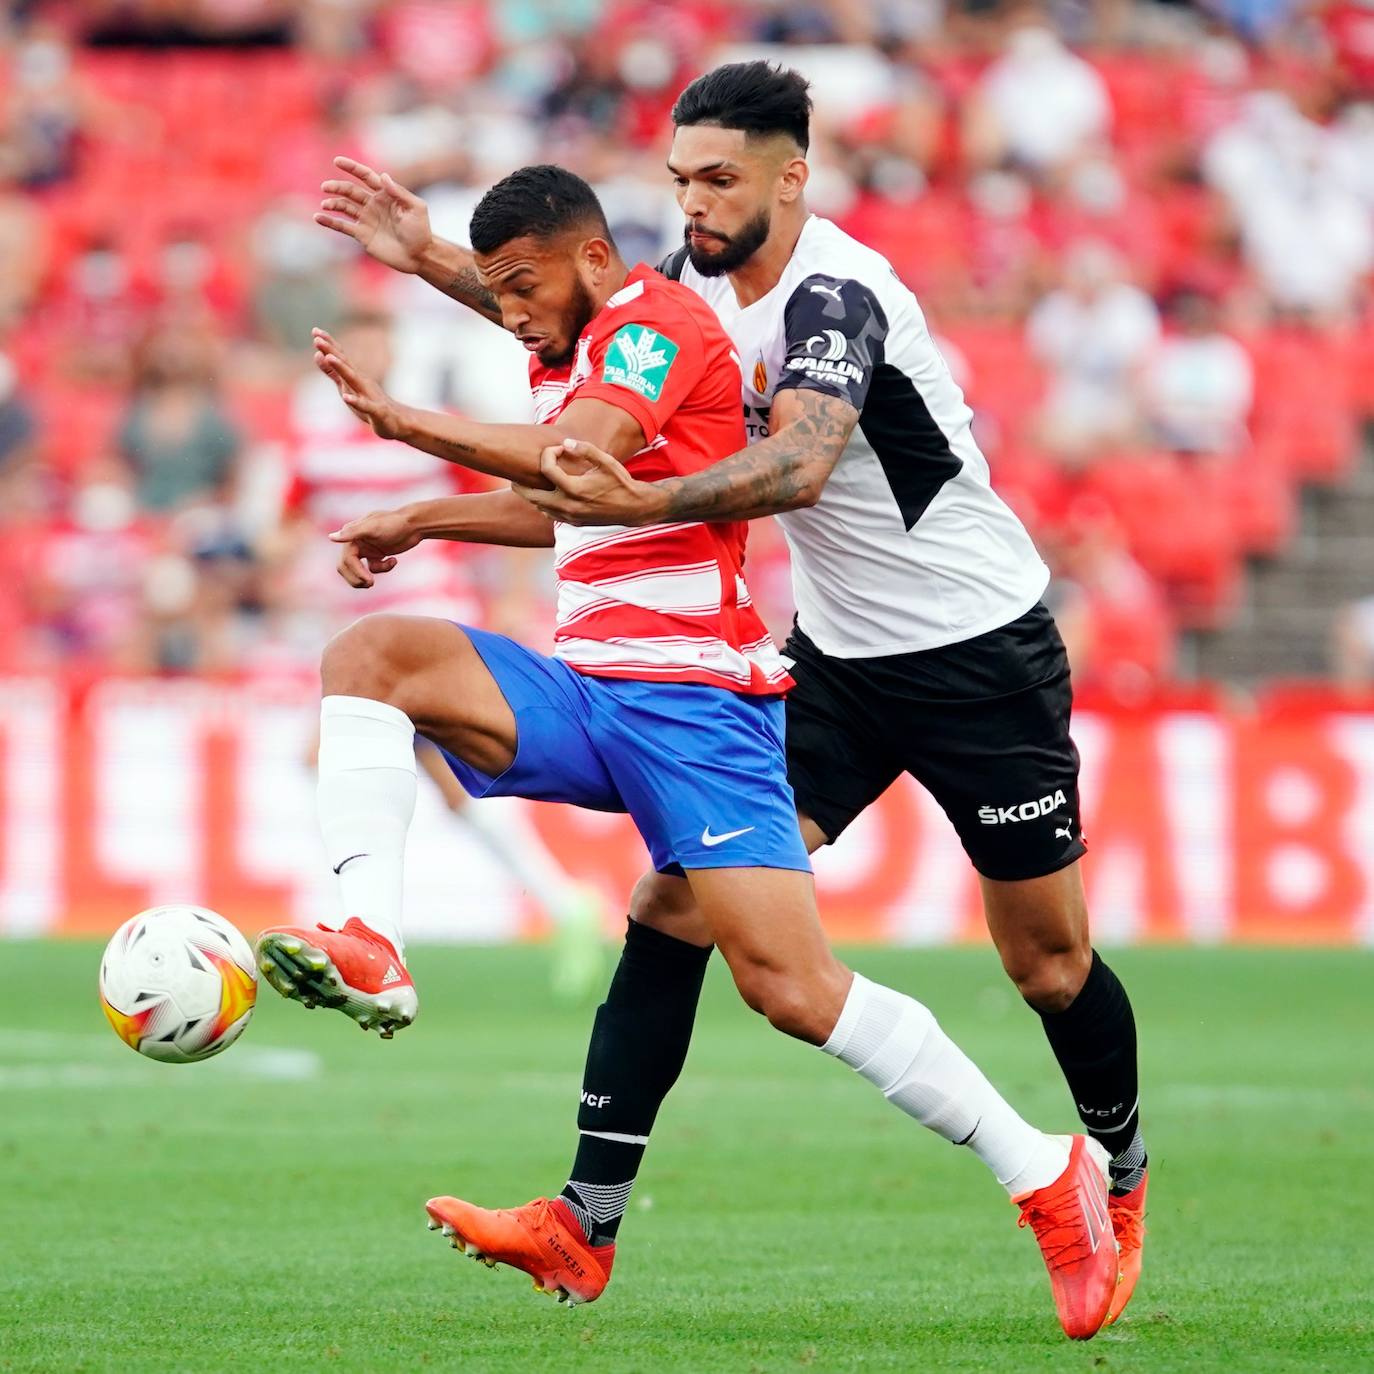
(178, 983)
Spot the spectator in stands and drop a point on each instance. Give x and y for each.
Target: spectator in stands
(98, 311)
(1305, 231)
(176, 437)
(84, 576)
(18, 447)
(1112, 615)
(1199, 385)
(298, 277)
(1094, 334)
(1039, 105)
(1352, 646)
(23, 254)
(198, 599)
(43, 113)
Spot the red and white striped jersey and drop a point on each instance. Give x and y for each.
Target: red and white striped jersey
(666, 603)
(338, 474)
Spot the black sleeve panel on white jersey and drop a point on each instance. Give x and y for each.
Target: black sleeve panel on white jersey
(835, 333)
(671, 266)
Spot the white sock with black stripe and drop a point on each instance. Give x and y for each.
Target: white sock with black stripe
(365, 799)
(896, 1043)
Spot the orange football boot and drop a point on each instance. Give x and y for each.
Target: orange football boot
(542, 1238)
(1128, 1221)
(354, 970)
(1072, 1224)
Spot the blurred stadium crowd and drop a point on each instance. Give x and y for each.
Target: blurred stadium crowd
(1143, 232)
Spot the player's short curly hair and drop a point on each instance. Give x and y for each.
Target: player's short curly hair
(543, 201)
(757, 97)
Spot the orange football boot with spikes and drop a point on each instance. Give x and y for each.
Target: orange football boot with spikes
(542, 1239)
(1128, 1221)
(353, 970)
(1074, 1229)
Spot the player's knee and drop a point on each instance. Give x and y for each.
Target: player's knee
(365, 660)
(666, 904)
(1049, 978)
(788, 1002)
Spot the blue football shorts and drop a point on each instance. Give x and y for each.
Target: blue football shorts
(702, 771)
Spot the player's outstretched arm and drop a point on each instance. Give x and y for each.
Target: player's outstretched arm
(373, 544)
(786, 471)
(391, 224)
(509, 451)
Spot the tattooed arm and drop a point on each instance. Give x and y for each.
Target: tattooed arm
(449, 268)
(391, 224)
(786, 471)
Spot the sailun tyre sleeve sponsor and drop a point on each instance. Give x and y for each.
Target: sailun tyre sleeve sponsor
(835, 334)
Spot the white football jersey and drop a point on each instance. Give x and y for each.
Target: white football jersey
(908, 547)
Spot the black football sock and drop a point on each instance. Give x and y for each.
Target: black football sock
(638, 1046)
(1094, 1040)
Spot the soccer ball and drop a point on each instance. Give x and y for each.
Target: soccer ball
(178, 983)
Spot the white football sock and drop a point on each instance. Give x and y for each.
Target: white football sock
(896, 1043)
(523, 856)
(365, 800)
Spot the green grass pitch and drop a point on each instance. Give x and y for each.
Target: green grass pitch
(263, 1212)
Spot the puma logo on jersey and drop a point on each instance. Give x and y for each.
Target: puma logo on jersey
(832, 291)
(1065, 832)
(1024, 811)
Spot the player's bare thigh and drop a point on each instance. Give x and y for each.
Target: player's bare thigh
(666, 903)
(429, 669)
(765, 923)
(767, 927)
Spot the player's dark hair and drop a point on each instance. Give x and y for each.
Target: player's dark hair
(760, 98)
(543, 201)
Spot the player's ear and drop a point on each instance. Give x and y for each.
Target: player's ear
(792, 179)
(597, 256)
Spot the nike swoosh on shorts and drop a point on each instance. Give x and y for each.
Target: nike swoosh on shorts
(710, 840)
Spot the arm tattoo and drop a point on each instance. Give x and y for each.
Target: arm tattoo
(466, 288)
(451, 450)
(782, 472)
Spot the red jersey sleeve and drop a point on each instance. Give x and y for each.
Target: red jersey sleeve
(647, 360)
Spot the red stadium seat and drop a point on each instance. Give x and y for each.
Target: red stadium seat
(1304, 408)
(924, 239)
(1178, 526)
(79, 424)
(1258, 490)
(1003, 377)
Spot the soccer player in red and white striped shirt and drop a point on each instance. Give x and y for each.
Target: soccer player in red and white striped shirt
(337, 468)
(664, 699)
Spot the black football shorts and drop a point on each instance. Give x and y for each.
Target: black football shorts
(983, 725)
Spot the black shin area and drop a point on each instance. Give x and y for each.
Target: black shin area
(1093, 1039)
(638, 1046)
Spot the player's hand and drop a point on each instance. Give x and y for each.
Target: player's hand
(360, 393)
(371, 545)
(592, 488)
(388, 221)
